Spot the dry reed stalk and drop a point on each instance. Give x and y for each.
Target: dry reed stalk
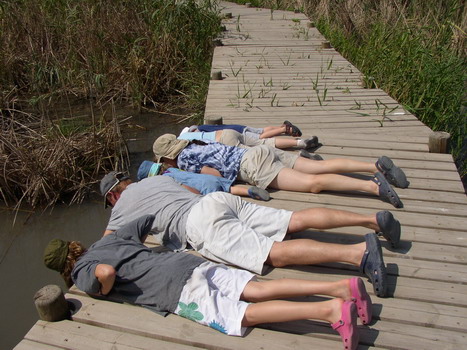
(41, 166)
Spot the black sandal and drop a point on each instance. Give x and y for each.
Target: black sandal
(291, 129)
(372, 265)
(386, 192)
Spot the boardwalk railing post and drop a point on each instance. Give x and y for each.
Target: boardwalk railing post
(51, 304)
(311, 24)
(213, 120)
(217, 75)
(325, 45)
(438, 142)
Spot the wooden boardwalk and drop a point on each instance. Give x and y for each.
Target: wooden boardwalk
(275, 68)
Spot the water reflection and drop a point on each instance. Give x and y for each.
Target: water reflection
(23, 236)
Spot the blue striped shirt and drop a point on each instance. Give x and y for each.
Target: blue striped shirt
(225, 159)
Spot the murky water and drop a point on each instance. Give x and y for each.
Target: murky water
(22, 241)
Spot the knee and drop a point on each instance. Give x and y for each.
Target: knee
(315, 183)
(278, 255)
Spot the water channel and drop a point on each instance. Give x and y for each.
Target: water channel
(23, 236)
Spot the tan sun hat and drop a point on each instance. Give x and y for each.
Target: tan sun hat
(168, 146)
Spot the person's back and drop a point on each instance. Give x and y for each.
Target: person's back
(160, 196)
(143, 277)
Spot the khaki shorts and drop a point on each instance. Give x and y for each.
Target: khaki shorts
(233, 138)
(260, 165)
(224, 228)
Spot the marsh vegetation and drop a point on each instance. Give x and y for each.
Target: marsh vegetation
(58, 54)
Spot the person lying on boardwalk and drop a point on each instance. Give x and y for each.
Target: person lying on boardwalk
(202, 183)
(262, 167)
(226, 229)
(287, 128)
(121, 268)
(234, 138)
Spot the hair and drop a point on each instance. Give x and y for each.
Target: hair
(121, 186)
(198, 142)
(75, 250)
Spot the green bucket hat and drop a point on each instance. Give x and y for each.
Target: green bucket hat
(55, 254)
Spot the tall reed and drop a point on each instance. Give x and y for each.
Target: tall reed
(144, 51)
(99, 52)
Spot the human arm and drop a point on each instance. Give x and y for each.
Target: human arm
(105, 274)
(210, 171)
(191, 189)
(108, 232)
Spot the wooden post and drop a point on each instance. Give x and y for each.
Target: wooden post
(213, 120)
(438, 142)
(248, 4)
(217, 42)
(51, 304)
(325, 45)
(311, 24)
(228, 15)
(217, 75)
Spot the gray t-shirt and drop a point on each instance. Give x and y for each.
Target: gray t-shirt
(144, 277)
(162, 197)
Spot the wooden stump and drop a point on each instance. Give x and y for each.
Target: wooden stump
(217, 75)
(51, 304)
(213, 120)
(217, 42)
(438, 142)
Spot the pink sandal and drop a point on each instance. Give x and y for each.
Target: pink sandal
(361, 299)
(347, 326)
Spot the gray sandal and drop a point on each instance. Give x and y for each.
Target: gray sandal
(392, 172)
(386, 192)
(372, 265)
(390, 228)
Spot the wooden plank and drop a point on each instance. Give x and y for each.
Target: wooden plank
(31, 345)
(136, 320)
(76, 335)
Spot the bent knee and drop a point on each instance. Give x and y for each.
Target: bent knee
(315, 183)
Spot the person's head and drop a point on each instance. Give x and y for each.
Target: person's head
(61, 256)
(112, 185)
(168, 147)
(148, 169)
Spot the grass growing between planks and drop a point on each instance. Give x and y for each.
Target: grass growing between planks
(414, 50)
(147, 53)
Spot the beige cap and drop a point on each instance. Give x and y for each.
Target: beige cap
(168, 146)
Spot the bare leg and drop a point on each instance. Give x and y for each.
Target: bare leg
(288, 288)
(271, 131)
(283, 311)
(310, 252)
(239, 191)
(324, 218)
(293, 180)
(333, 166)
(285, 143)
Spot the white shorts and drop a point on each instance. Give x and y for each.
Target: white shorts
(211, 297)
(224, 228)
